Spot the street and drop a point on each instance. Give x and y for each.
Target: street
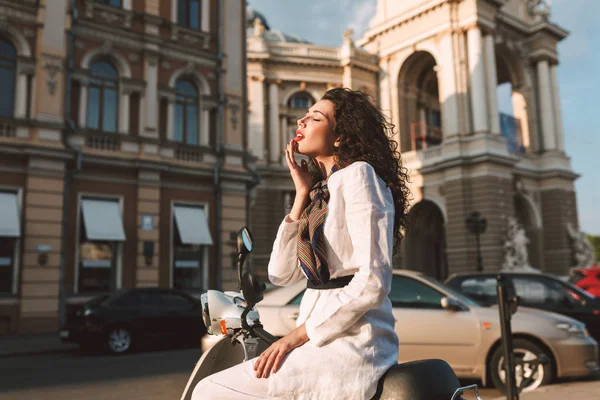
(149, 375)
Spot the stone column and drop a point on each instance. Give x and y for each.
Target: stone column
(204, 122)
(492, 83)
(257, 117)
(83, 94)
(479, 109)
(546, 106)
(558, 123)
(448, 92)
(20, 110)
(124, 112)
(274, 123)
(284, 140)
(171, 118)
(151, 98)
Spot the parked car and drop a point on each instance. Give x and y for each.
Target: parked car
(535, 290)
(587, 279)
(130, 317)
(435, 321)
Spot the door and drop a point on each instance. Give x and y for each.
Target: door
(426, 330)
(552, 295)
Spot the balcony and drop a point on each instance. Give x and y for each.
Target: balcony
(423, 135)
(8, 128)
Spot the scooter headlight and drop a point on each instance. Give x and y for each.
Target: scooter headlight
(206, 313)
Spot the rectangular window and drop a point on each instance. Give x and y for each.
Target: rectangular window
(109, 108)
(10, 232)
(191, 124)
(188, 14)
(178, 135)
(93, 108)
(190, 238)
(100, 234)
(111, 3)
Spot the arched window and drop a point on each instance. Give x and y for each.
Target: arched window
(186, 112)
(301, 101)
(8, 65)
(188, 14)
(103, 100)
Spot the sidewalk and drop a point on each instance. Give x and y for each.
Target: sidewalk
(33, 344)
(571, 390)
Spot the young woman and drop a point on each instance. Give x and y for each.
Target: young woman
(346, 219)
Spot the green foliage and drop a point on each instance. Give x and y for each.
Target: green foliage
(595, 241)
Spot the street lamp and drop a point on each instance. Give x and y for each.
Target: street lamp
(477, 225)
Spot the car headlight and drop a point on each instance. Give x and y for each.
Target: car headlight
(206, 313)
(575, 329)
(89, 312)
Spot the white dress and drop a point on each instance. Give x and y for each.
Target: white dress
(351, 329)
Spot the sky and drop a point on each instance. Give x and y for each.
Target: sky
(324, 22)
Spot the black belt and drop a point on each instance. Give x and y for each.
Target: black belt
(331, 284)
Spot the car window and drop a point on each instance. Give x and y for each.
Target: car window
(296, 300)
(130, 299)
(410, 293)
(576, 277)
(482, 289)
(175, 301)
(540, 292)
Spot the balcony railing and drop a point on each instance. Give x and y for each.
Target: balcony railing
(104, 142)
(8, 128)
(423, 135)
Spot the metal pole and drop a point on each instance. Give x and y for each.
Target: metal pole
(507, 344)
(479, 259)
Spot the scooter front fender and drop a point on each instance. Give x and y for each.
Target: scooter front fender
(222, 355)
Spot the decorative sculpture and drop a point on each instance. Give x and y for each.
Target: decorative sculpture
(583, 252)
(259, 27)
(539, 7)
(515, 248)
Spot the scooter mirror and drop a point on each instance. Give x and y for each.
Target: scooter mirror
(244, 241)
(252, 289)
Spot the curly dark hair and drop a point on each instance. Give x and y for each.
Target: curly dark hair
(365, 134)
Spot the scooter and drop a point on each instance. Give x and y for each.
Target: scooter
(234, 316)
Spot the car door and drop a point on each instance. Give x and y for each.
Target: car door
(148, 316)
(551, 295)
(180, 315)
(426, 330)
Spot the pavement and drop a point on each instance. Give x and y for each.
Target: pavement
(26, 345)
(47, 343)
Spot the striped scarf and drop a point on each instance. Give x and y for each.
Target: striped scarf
(312, 256)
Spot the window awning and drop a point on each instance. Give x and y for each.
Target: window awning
(192, 225)
(10, 225)
(103, 220)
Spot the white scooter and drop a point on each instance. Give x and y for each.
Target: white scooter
(234, 316)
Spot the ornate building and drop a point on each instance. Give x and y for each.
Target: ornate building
(122, 150)
(435, 66)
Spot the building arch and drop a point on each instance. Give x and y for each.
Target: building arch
(107, 53)
(419, 106)
(193, 75)
(424, 244)
(17, 39)
(288, 94)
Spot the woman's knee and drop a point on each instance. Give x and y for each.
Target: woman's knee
(203, 390)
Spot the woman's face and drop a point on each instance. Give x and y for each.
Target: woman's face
(315, 137)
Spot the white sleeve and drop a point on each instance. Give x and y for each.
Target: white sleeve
(370, 221)
(283, 264)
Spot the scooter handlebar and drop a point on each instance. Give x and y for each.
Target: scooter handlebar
(264, 335)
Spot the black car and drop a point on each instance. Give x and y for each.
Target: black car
(129, 317)
(535, 290)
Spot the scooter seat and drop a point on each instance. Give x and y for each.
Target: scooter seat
(418, 380)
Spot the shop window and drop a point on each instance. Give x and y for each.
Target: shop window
(190, 240)
(10, 232)
(100, 236)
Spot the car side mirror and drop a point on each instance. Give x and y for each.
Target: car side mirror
(450, 304)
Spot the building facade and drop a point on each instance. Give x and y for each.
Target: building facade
(435, 66)
(122, 150)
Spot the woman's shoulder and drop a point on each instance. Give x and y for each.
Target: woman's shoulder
(357, 172)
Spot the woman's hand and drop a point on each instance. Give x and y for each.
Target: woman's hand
(270, 359)
(300, 175)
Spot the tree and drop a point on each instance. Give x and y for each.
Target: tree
(595, 241)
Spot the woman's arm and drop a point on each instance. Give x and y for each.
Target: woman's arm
(283, 263)
(370, 221)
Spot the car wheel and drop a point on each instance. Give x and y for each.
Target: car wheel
(119, 340)
(524, 350)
